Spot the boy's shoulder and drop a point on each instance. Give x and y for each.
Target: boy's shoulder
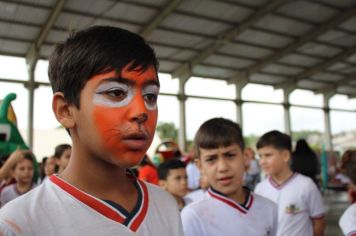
(260, 200)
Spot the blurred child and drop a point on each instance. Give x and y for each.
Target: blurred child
(230, 209)
(348, 219)
(23, 174)
(62, 154)
(147, 171)
(200, 193)
(173, 178)
(49, 167)
(300, 205)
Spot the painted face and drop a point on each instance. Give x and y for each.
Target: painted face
(272, 160)
(224, 168)
(176, 182)
(23, 171)
(122, 111)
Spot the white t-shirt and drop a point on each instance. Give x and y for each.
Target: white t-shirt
(348, 221)
(298, 201)
(194, 196)
(58, 208)
(219, 215)
(9, 193)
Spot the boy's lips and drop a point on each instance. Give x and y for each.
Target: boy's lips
(136, 140)
(225, 180)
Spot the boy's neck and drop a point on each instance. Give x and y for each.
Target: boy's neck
(239, 196)
(23, 187)
(98, 178)
(282, 176)
(180, 202)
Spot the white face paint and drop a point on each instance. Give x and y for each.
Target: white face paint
(113, 94)
(117, 94)
(150, 94)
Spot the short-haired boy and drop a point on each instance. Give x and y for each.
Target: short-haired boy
(105, 86)
(173, 178)
(229, 208)
(300, 205)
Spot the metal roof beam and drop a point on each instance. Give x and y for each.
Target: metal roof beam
(157, 20)
(230, 34)
(312, 34)
(32, 53)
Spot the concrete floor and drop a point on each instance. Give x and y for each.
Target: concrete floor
(336, 203)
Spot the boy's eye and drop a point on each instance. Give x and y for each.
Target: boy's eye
(118, 94)
(151, 98)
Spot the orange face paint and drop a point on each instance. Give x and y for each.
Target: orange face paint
(125, 113)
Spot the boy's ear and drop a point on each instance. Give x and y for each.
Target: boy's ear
(245, 157)
(62, 110)
(197, 162)
(286, 155)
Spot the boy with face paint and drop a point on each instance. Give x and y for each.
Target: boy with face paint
(105, 88)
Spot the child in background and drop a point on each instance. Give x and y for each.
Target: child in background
(147, 171)
(300, 205)
(62, 154)
(49, 167)
(23, 174)
(229, 209)
(173, 178)
(348, 219)
(200, 193)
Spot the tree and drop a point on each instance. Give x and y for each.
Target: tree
(167, 130)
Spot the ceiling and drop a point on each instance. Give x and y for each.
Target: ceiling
(307, 44)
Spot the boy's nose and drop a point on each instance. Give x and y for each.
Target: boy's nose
(138, 111)
(222, 165)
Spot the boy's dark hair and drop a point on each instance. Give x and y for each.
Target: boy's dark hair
(60, 149)
(96, 50)
(348, 164)
(165, 167)
(218, 132)
(275, 139)
(27, 156)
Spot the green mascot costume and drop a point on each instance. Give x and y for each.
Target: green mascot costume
(10, 137)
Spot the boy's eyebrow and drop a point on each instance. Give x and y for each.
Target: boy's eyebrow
(153, 81)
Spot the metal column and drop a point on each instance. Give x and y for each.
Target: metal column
(327, 133)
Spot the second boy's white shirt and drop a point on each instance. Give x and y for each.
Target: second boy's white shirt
(348, 221)
(298, 201)
(219, 215)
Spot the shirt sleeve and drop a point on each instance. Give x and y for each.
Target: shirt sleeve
(191, 223)
(348, 221)
(314, 201)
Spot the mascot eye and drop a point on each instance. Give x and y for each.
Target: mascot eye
(5, 131)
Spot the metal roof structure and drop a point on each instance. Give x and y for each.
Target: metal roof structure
(307, 44)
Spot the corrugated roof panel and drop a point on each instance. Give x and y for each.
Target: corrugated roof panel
(352, 58)
(178, 39)
(338, 37)
(327, 77)
(246, 51)
(228, 61)
(350, 70)
(71, 21)
(167, 66)
(339, 66)
(349, 25)
(155, 3)
(211, 72)
(130, 27)
(346, 90)
(254, 3)
(18, 31)
(55, 36)
(31, 15)
(90, 6)
(193, 24)
(216, 9)
(12, 47)
(281, 69)
(266, 79)
(307, 10)
(164, 51)
(183, 55)
(296, 59)
(341, 4)
(131, 12)
(319, 50)
(46, 50)
(48, 3)
(283, 25)
(264, 39)
(311, 84)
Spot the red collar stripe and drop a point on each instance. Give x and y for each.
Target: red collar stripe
(140, 216)
(231, 202)
(88, 200)
(280, 186)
